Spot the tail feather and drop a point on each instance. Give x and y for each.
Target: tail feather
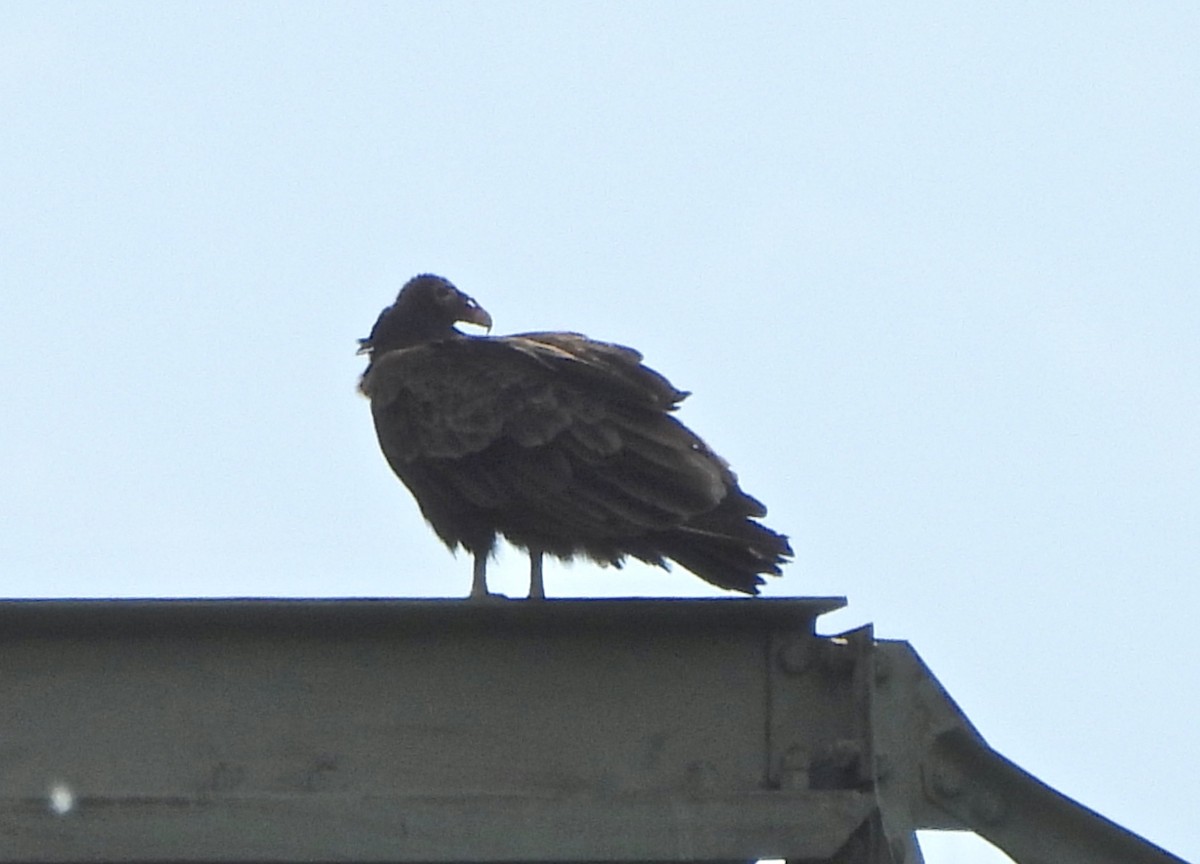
(726, 560)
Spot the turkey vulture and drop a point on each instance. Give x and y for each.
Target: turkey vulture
(562, 444)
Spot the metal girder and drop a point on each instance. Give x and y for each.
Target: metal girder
(439, 731)
(935, 771)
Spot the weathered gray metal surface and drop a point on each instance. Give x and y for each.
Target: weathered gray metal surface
(935, 771)
(568, 730)
(1023, 816)
(390, 730)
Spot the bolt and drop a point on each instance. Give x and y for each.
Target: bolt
(947, 780)
(793, 768)
(795, 655)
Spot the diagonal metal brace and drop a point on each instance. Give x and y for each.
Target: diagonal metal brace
(935, 771)
(1018, 813)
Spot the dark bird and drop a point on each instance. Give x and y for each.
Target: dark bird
(562, 444)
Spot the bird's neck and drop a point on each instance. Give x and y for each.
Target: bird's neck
(407, 334)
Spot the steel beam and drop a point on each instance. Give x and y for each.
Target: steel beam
(505, 731)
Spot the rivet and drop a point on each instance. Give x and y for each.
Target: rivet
(793, 768)
(795, 656)
(947, 780)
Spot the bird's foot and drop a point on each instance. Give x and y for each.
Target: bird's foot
(487, 597)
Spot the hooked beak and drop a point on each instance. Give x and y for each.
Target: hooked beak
(476, 314)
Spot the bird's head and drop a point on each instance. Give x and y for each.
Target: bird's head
(426, 310)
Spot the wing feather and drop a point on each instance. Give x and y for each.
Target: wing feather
(563, 444)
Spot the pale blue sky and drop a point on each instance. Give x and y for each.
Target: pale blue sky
(930, 269)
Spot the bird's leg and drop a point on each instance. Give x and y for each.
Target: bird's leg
(537, 591)
(479, 577)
